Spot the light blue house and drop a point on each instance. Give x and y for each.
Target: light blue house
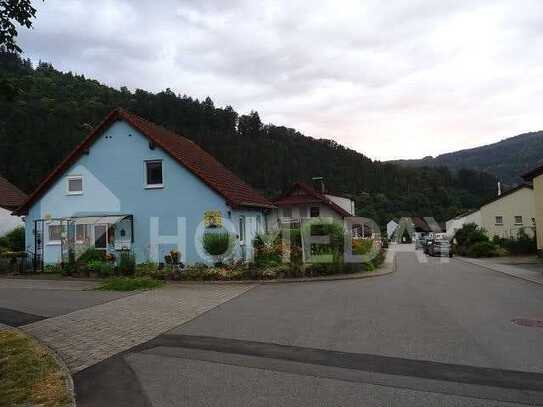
(133, 185)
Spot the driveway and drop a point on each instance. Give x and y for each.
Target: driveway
(431, 334)
(23, 301)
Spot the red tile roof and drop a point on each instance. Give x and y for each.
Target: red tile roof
(11, 197)
(421, 225)
(223, 181)
(309, 195)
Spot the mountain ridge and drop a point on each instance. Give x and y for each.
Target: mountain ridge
(507, 159)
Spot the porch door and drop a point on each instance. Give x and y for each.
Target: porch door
(100, 237)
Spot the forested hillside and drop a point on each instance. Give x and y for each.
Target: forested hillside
(51, 111)
(507, 159)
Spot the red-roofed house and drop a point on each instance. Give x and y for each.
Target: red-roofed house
(10, 199)
(132, 184)
(303, 201)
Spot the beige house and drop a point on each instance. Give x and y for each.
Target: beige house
(452, 225)
(536, 177)
(509, 212)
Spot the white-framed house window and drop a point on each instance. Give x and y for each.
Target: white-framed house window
(499, 220)
(74, 185)
(518, 220)
(54, 233)
(82, 234)
(154, 174)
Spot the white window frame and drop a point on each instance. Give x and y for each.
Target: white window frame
(71, 178)
(521, 220)
(498, 223)
(146, 184)
(53, 242)
(87, 232)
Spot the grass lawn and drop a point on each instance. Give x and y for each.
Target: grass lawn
(29, 375)
(129, 284)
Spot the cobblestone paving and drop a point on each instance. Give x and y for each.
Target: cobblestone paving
(88, 336)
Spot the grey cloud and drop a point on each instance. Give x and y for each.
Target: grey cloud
(353, 71)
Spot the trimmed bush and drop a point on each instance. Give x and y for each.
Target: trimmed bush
(482, 249)
(91, 254)
(469, 235)
(522, 245)
(218, 244)
(102, 268)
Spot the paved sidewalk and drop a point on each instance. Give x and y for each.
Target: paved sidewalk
(534, 275)
(88, 336)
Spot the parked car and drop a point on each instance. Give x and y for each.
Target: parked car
(440, 248)
(427, 242)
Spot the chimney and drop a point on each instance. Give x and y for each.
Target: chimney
(318, 184)
(499, 188)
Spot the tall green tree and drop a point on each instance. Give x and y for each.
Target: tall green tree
(12, 12)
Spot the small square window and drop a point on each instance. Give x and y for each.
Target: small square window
(314, 212)
(518, 220)
(74, 185)
(499, 220)
(153, 174)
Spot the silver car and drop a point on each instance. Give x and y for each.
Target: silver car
(440, 248)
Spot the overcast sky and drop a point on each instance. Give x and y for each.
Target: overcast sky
(398, 79)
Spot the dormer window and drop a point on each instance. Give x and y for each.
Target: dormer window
(153, 174)
(74, 185)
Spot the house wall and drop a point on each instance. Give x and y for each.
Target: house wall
(301, 211)
(391, 228)
(538, 204)
(454, 224)
(8, 222)
(113, 181)
(519, 203)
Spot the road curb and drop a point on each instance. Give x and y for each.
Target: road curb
(355, 276)
(488, 267)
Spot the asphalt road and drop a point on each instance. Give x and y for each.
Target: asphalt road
(432, 334)
(26, 301)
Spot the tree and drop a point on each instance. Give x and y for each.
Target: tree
(250, 125)
(11, 12)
